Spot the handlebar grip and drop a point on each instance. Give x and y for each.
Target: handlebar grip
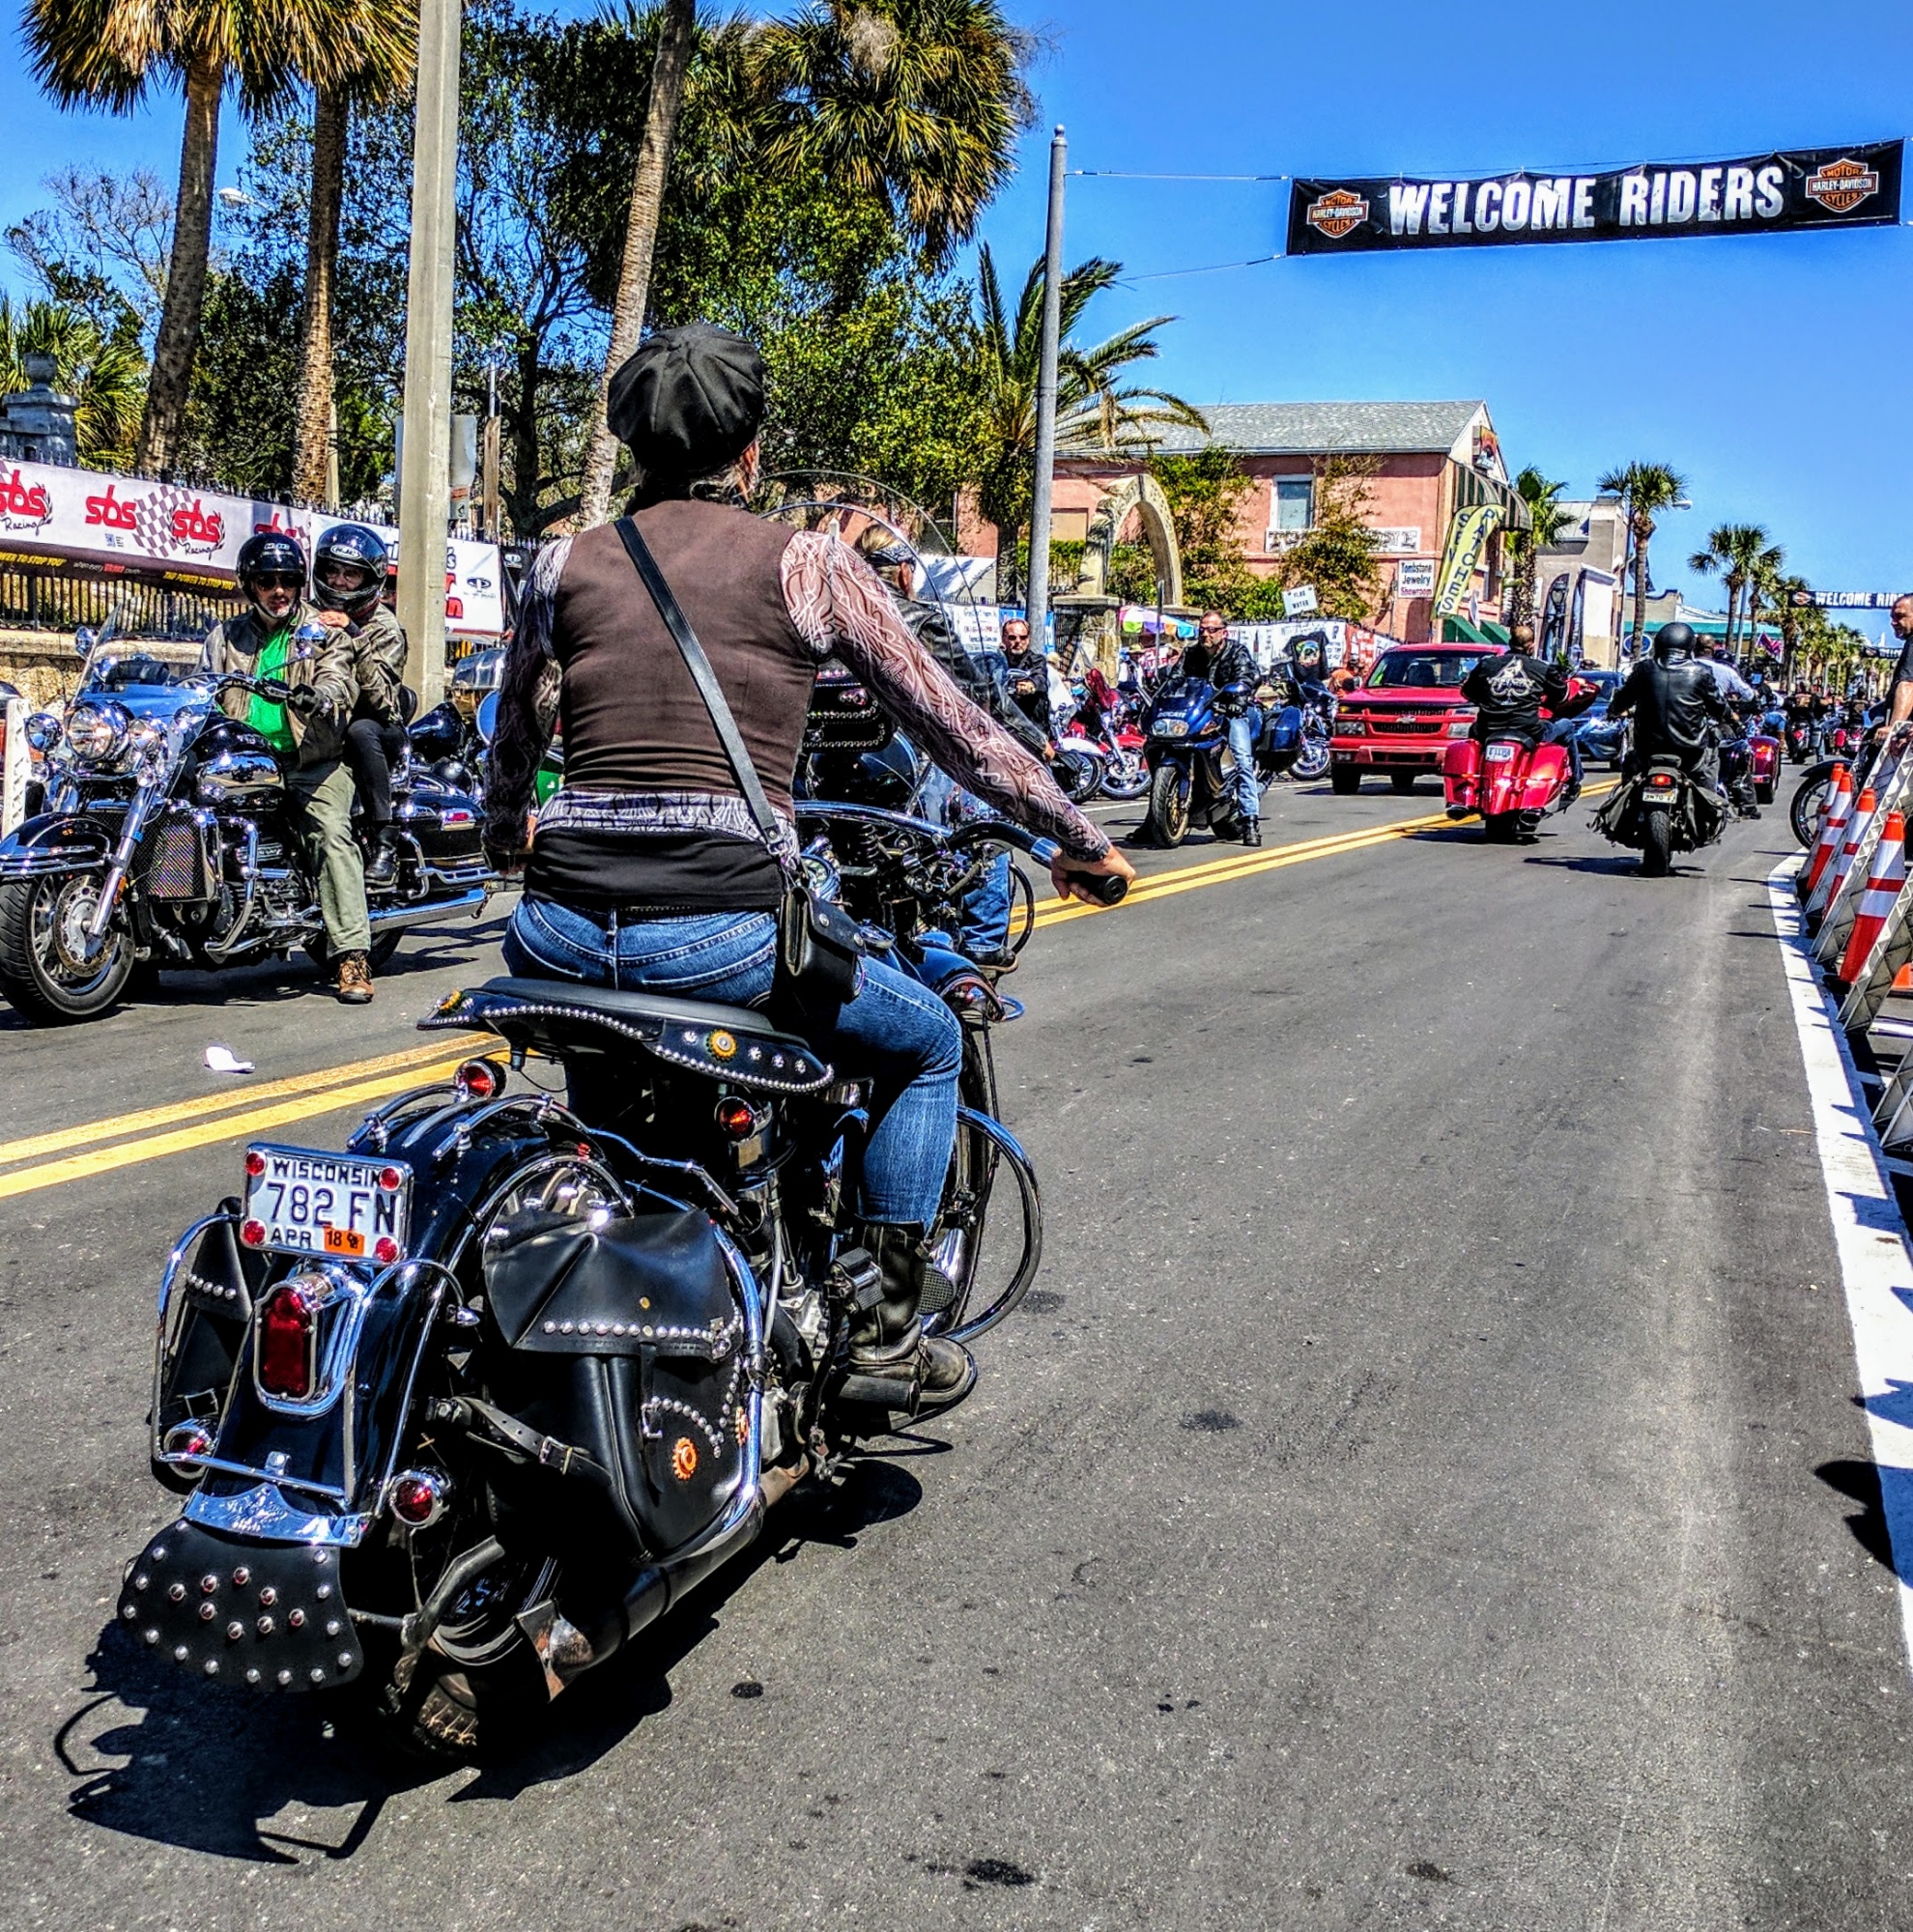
(1104, 887)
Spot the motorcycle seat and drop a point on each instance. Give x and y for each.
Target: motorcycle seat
(736, 1044)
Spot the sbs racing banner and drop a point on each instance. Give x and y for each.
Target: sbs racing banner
(1799, 187)
(1465, 537)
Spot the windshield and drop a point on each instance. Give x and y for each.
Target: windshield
(129, 673)
(1422, 671)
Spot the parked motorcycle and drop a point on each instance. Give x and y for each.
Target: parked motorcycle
(1298, 723)
(465, 1407)
(167, 840)
(1191, 769)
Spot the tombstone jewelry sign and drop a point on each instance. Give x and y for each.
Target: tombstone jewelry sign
(1800, 187)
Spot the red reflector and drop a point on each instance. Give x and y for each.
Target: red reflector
(477, 1079)
(737, 1120)
(253, 1234)
(389, 1178)
(415, 1499)
(255, 1162)
(287, 1325)
(385, 1250)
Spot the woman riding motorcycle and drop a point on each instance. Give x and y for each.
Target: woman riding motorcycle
(650, 871)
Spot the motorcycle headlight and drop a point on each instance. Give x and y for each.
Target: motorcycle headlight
(97, 733)
(43, 732)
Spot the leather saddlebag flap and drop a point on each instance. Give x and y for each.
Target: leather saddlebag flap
(625, 1340)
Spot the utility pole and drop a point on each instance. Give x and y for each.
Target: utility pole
(1037, 602)
(425, 461)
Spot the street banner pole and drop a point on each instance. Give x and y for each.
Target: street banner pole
(1037, 602)
(425, 463)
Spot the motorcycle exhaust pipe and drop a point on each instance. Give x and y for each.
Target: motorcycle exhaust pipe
(566, 1652)
(398, 919)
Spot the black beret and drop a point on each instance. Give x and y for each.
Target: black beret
(688, 400)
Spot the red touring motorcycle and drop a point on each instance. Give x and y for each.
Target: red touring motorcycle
(1510, 784)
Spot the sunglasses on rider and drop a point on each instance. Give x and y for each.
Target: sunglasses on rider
(1214, 630)
(278, 579)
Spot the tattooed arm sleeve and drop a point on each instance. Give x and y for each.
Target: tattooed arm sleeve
(838, 604)
(527, 709)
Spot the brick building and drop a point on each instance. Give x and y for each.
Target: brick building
(1432, 459)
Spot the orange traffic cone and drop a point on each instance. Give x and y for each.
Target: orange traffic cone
(1903, 980)
(1834, 812)
(1834, 876)
(1886, 876)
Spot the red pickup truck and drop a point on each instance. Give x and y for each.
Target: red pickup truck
(1400, 718)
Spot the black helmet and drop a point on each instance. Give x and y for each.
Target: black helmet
(363, 552)
(1673, 641)
(268, 554)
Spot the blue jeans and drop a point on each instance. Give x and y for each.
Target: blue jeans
(891, 1032)
(1566, 732)
(1248, 789)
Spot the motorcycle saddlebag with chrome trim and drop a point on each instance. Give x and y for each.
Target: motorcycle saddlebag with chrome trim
(622, 1341)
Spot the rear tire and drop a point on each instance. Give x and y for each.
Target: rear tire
(1402, 782)
(45, 972)
(1656, 842)
(1168, 807)
(1503, 829)
(1763, 792)
(1345, 780)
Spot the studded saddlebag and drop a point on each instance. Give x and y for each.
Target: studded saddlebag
(623, 1342)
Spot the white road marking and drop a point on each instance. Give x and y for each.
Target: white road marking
(1870, 1233)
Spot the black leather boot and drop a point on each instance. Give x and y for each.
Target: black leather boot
(382, 863)
(892, 1362)
(1253, 831)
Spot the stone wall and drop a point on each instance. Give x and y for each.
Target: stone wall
(44, 667)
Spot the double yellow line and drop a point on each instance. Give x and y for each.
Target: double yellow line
(125, 1139)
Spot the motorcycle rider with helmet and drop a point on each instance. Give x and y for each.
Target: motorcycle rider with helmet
(348, 565)
(1677, 708)
(268, 639)
(650, 872)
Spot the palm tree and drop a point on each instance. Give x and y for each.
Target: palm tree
(1646, 490)
(1095, 410)
(105, 378)
(385, 46)
(916, 103)
(1547, 521)
(1731, 550)
(105, 53)
(1795, 596)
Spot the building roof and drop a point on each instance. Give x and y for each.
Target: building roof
(1320, 429)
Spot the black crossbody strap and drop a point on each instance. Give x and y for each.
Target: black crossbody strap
(703, 677)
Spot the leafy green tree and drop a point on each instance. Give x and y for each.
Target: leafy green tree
(1647, 491)
(101, 247)
(1096, 410)
(383, 48)
(1733, 551)
(106, 53)
(105, 375)
(1547, 523)
(1336, 554)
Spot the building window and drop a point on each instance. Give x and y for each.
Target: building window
(1295, 503)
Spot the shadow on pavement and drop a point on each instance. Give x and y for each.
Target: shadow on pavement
(1860, 1482)
(209, 1770)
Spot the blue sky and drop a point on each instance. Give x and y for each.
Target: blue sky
(1771, 370)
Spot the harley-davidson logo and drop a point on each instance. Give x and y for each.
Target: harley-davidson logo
(1841, 186)
(1337, 213)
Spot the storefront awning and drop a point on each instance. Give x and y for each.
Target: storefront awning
(1459, 631)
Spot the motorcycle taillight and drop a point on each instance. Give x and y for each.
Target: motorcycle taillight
(287, 1341)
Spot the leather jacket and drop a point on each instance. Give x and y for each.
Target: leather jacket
(1675, 707)
(929, 624)
(331, 670)
(379, 662)
(1508, 693)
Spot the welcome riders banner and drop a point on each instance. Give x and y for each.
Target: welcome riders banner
(1805, 187)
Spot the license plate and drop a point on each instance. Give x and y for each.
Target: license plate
(1499, 754)
(302, 1201)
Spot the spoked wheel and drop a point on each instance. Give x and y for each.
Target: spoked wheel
(1078, 771)
(1168, 806)
(52, 970)
(1126, 776)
